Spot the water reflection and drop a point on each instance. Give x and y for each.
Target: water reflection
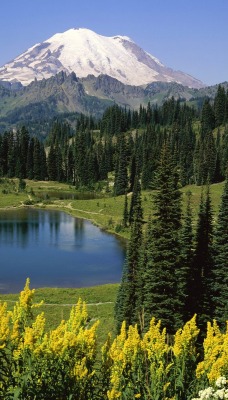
(57, 250)
(66, 195)
(16, 229)
(79, 229)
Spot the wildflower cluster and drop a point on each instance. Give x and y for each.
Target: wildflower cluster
(215, 361)
(50, 365)
(62, 363)
(148, 367)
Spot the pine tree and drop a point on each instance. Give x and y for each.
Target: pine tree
(186, 260)
(52, 164)
(121, 175)
(30, 161)
(209, 158)
(207, 119)
(205, 159)
(13, 166)
(43, 162)
(220, 282)
(129, 299)
(150, 157)
(125, 212)
(220, 106)
(23, 151)
(224, 151)
(133, 167)
(4, 153)
(70, 165)
(186, 155)
(135, 198)
(201, 282)
(59, 164)
(161, 297)
(80, 158)
(39, 161)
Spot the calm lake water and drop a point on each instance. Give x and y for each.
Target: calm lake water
(66, 195)
(54, 249)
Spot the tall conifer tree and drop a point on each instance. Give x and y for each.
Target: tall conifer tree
(220, 106)
(186, 260)
(125, 212)
(136, 194)
(161, 297)
(220, 282)
(201, 283)
(129, 298)
(121, 175)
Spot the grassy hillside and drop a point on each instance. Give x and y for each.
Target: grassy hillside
(106, 212)
(57, 304)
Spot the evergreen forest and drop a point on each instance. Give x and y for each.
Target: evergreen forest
(172, 303)
(121, 141)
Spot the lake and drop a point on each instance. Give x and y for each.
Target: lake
(55, 249)
(53, 195)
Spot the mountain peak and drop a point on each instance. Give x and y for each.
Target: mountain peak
(85, 52)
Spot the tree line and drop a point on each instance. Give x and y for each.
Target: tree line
(83, 157)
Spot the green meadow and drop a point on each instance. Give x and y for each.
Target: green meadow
(106, 212)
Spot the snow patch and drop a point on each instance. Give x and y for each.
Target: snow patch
(85, 52)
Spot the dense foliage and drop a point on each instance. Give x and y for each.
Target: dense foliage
(85, 155)
(167, 274)
(171, 274)
(64, 363)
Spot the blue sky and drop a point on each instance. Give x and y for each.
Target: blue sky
(186, 35)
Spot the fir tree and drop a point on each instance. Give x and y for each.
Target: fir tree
(129, 299)
(121, 175)
(13, 165)
(186, 261)
(39, 161)
(220, 106)
(80, 158)
(30, 161)
(23, 151)
(207, 119)
(135, 198)
(43, 162)
(4, 154)
(70, 165)
(220, 282)
(125, 212)
(201, 282)
(133, 167)
(186, 155)
(161, 297)
(52, 164)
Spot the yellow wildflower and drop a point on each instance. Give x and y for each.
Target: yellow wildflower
(113, 394)
(185, 339)
(132, 345)
(16, 331)
(4, 325)
(80, 369)
(154, 341)
(78, 317)
(215, 361)
(33, 334)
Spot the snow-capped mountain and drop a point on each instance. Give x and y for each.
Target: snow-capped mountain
(87, 53)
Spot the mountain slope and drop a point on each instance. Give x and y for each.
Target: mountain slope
(36, 104)
(85, 52)
(42, 100)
